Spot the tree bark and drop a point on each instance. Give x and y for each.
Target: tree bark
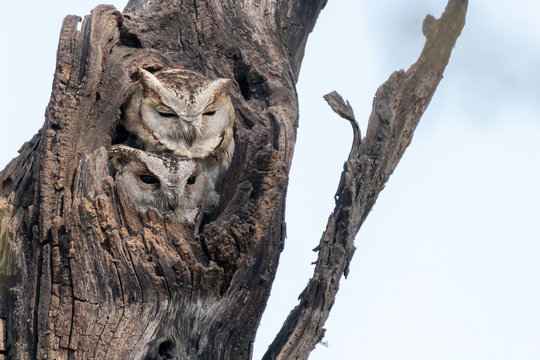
(85, 276)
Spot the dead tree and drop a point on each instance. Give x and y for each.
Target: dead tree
(85, 276)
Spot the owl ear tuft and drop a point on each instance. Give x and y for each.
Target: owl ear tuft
(220, 85)
(149, 81)
(117, 160)
(120, 155)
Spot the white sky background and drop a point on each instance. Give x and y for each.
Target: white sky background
(447, 264)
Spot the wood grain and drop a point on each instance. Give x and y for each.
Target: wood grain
(85, 276)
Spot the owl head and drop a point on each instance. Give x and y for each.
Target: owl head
(166, 182)
(181, 111)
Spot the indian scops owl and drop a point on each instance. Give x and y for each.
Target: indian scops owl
(165, 182)
(183, 112)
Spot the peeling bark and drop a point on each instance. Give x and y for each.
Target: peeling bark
(83, 275)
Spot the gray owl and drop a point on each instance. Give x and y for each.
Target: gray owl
(165, 182)
(183, 112)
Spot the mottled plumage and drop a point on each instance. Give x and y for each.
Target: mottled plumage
(183, 112)
(166, 182)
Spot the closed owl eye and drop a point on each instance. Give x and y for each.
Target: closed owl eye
(191, 180)
(209, 113)
(166, 111)
(164, 114)
(149, 179)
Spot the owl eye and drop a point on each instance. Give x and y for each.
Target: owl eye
(149, 179)
(191, 180)
(165, 111)
(167, 114)
(209, 113)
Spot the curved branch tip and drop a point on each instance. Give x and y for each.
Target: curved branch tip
(344, 109)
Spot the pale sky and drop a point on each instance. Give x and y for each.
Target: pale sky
(447, 264)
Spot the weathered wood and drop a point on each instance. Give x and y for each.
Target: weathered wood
(397, 109)
(85, 276)
(106, 282)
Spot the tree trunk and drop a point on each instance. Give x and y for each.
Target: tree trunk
(85, 276)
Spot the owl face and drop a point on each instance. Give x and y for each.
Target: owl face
(165, 182)
(180, 111)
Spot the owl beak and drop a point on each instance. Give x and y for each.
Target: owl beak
(189, 135)
(185, 118)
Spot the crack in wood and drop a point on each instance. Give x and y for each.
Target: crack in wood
(161, 290)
